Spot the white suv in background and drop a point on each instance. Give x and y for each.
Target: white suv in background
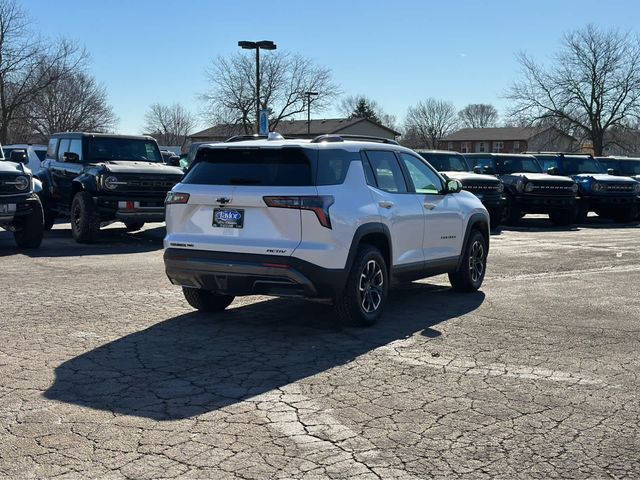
(35, 154)
(335, 219)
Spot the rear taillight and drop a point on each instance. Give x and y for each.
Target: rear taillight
(317, 204)
(176, 197)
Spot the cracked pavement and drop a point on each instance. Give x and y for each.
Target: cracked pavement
(106, 372)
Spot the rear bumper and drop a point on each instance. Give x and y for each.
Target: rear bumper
(249, 274)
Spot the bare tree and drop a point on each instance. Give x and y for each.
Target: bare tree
(365, 107)
(429, 121)
(593, 84)
(284, 79)
(28, 65)
(169, 124)
(73, 102)
(478, 115)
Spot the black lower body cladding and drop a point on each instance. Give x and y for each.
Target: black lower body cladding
(545, 203)
(250, 274)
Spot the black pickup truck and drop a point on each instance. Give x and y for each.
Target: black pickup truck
(94, 179)
(20, 208)
(528, 188)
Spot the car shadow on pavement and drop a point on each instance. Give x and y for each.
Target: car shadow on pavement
(197, 363)
(59, 243)
(542, 224)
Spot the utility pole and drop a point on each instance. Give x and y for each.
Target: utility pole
(265, 45)
(309, 95)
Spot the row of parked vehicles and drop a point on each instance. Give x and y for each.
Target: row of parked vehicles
(334, 219)
(564, 186)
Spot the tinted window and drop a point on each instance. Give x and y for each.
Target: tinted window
(578, 165)
(387, 171)
(236, 166)
(63, 148)
(629, 167)
(333, 166)
(424, 179)
(508, 165)
(51, 149)
(549, 162)
(446, 163)
(76, 147)
(122, 149)
(41, 154)
(488, 163)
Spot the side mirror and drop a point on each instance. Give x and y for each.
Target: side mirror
(553, 171)
(71, 157)
(477, 169)
(173, 161)
(454, 186)
(610, 171)
(19, 156)
(489, 170)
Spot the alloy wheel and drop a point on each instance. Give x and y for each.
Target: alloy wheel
(371, 287)
(476, 261)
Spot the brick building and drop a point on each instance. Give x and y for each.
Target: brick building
(508, 140)
(300, 129)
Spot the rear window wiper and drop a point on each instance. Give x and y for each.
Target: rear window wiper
(244, 181)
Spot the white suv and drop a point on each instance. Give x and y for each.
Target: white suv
(336, 219)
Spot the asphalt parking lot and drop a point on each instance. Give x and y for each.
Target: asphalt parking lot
(105, 372)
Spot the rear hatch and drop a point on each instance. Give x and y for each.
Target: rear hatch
(229, 189)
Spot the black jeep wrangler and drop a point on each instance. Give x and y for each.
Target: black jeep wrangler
(602, 192)
(20, 207)
(527, 188)
(95, 179)
(487, 188)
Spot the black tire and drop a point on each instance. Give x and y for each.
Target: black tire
(49, 218)
(624, 215)
(496, 215)
(132, 226)
(562, 218)
(512, 212)
(205, 300)
(366, 290)
(30, 227)
(582, 213)
(85, 220)
(474, 264)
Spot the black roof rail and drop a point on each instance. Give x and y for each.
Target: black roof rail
(342, 138)
(242, 138)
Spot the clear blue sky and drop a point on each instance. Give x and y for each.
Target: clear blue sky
(396, 52)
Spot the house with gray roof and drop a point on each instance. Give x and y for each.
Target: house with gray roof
(301, 129)
(508, 140)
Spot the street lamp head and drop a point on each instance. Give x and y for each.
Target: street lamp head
(247, 45)
(266, 45)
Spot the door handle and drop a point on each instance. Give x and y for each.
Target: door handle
(429, 206)
(386, 204)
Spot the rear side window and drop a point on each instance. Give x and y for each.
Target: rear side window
(333, 165)
(387, 171)
(51, 149)
(277, 167)
(41, 154)
(63, 148)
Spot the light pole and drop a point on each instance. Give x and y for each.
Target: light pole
(309, 94)
(265, 45)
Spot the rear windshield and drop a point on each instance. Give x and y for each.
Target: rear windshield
(100, 149)
(507, 165)
(281, 167)
(446, 163)
(275, 167)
